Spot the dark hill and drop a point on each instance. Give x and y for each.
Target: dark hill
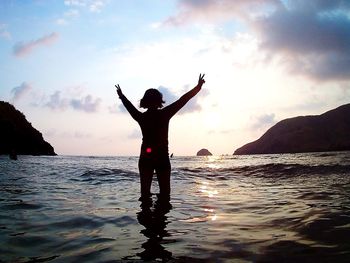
(17, 134)
(329, 131)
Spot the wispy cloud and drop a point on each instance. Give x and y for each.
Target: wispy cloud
(67, 17)
(94, 6)
(77, 8)
(222, 132)
(24, 48)
(20, 91)
(75, 2)
(61, 21)
(65, 134)
(72, 13)
(4, 33)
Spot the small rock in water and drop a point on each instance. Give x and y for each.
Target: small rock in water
(203, 152)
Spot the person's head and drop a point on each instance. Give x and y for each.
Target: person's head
(152, 99)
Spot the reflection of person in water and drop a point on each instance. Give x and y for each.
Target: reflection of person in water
(155, 221)
(154, 125)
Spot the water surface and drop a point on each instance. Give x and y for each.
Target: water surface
(258, 208)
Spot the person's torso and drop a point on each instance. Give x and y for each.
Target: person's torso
(154, 126)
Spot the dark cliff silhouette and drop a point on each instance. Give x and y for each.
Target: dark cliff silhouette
(204, 152)
(17, 136)
(329, 131)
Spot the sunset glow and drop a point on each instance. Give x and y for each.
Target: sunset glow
(264, 61)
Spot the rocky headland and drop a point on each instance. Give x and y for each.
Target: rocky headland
(17, 135)
(329, 131)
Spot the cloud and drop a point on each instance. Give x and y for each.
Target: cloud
(311, 38)
(81, 135)
(20, 91)
(61, 21)
(70, 98)
(71, 13)
(67, 17)
(77, 7)
(122, 108)
(218, 10)
(192, 106)
(113, 109)
(64, 134)
(94, 6)
(75, 2)
(222, 132)
(169, 97)
(262, 121)
(85, 103)
(4, 33)
(56, 102)
(22, 49)
(135, 134)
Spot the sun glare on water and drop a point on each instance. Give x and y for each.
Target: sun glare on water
(208, 191)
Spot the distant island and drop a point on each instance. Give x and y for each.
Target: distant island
(17, 136)
(203, 152)
(329, 131)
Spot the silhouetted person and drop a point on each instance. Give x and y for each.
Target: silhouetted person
(154, 125)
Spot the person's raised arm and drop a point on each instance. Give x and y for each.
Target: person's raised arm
(135, 114)
(177, 105)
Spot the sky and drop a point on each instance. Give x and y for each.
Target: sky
(264, 61)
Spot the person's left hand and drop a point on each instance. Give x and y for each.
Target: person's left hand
(201, 80)
(119, 90)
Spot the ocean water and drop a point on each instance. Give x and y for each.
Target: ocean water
(258, 208)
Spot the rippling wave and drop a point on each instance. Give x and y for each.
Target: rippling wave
(259, 208)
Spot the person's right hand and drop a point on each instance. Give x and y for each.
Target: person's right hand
(119, 90)
(201, 80)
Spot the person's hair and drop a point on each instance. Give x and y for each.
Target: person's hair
(152, 99)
